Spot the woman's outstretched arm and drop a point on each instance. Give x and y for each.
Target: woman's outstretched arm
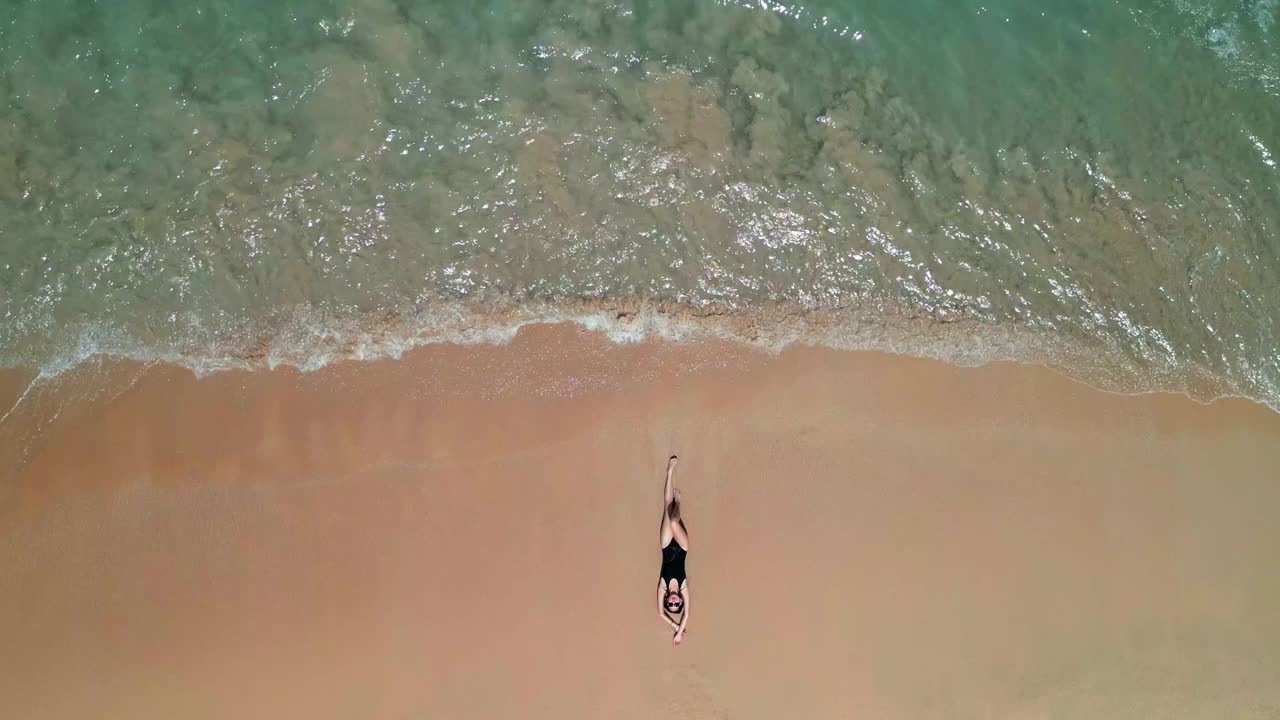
(684, 616)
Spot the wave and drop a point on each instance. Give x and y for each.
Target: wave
(307, 340)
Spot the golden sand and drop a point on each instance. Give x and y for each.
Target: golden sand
(471, 532)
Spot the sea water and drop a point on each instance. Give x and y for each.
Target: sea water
(237, 183)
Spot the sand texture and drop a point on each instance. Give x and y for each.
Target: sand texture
(471, 532)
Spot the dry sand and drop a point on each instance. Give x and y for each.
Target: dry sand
(472, 533)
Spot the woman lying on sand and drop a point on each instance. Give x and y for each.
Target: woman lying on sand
(673, 588)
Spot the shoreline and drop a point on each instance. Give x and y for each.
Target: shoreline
(469, 531)
(310, 342)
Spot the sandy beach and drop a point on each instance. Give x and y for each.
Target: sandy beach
(471, 532)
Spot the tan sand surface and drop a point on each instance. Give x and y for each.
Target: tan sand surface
(472, 533)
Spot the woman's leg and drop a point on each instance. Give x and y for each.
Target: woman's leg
(668, 495)
(677, 523)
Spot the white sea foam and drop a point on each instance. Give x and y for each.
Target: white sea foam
(308, 344)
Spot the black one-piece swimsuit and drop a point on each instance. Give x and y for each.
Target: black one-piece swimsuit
(673, 563)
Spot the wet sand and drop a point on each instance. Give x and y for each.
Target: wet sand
(472, 533)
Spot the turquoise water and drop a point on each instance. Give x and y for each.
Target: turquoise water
(222, 184)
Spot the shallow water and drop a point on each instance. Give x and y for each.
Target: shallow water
(1091, 184)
